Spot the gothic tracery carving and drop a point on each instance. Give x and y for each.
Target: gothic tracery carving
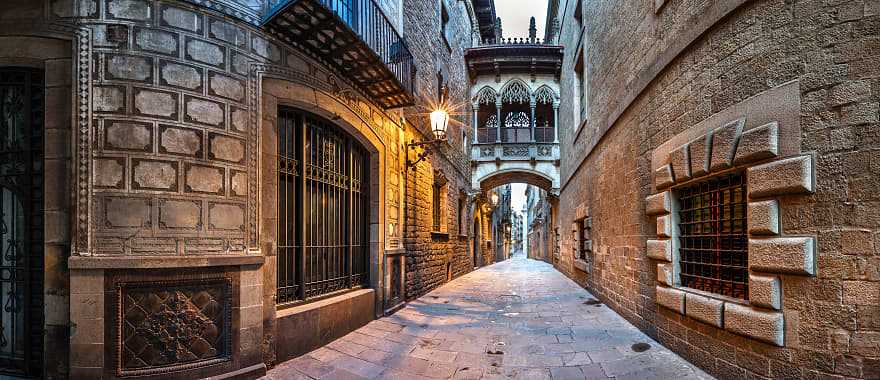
(545, 95)
(486, 95)
(516, 92)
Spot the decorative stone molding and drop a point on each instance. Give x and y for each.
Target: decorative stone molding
(759, 145)
(789, 176)
(767, 326)
(660, 250)
(765, 291)
(790, 255)
(671, 298)
(658, 204)
(704, 309)
(763, 217)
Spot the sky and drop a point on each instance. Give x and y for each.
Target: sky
(515, 16)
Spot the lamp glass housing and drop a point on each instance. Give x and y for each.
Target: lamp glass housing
(439, 123)
(493, 198)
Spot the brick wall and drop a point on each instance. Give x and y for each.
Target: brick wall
(636, 53)
(431, 256)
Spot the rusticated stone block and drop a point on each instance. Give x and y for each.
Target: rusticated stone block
(663, 177)
(765, 291)
(204, 111)
(204, 179)
(109, 172)
(126, 135)
(227, 87)
(226, 148)
(173, 140)
(724, 143)
(105, 35)
(155, 41)
(666, 274)
(205, 52)
(130, 67)
(670, 298)
(225, 216)
(240, 64)
(705, 309)
(161, 175)
(658, 204)
(681, 163)
(227, 33)
(758, 144)
(180, 214)
(791, 255)
(129, 9)
(788, 176)
(155, 103)
(239, 183)
(700, 150)
(764, 218)
(183, 76)
(239, 119)
(660, 250)
(766, 326)
(181, 19)
(665, 226)
(127, 212)
(265, 49)
(108, 99)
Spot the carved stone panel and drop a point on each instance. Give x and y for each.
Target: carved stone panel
(170, 326)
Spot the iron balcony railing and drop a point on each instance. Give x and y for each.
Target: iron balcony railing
(368, 22)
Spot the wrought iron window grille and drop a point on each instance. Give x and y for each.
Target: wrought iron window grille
(713, 239)
(323, 209)
(21, 222)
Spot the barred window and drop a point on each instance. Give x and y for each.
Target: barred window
(585, 244)
(713, 236)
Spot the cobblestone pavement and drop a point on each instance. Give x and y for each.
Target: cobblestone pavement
(516, 319)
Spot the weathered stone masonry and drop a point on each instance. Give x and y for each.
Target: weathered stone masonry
(173, 110)
(795, 81)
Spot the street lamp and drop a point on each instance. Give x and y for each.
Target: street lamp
(439, 124)
(493, 199)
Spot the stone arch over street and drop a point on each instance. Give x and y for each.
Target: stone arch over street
(504, 177)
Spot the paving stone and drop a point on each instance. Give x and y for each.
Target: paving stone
(529, 318)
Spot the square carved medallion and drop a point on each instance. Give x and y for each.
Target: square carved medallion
(170, 326)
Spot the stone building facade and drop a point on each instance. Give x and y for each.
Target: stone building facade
(765, 115)
(169, 143)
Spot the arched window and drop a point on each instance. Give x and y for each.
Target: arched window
(323, 208)
(517, 127)
(545, 97)
(487, 132)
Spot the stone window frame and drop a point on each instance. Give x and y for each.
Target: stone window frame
(439, 199)
(773, 170)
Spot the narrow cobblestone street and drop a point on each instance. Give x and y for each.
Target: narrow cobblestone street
(516, 319)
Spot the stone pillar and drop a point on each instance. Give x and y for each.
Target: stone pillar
(498, 115)
(532, 106)
(475, 107)
(556, 122)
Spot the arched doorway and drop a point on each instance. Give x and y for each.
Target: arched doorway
(323, 208)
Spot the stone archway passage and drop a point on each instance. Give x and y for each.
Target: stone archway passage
(516, 319)
(516, 176)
